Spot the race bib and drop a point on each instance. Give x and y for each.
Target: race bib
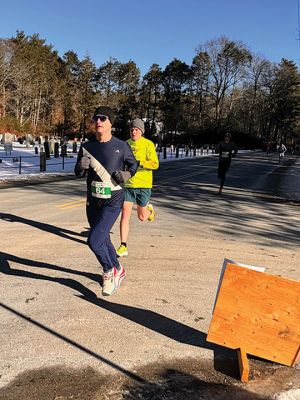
(225, 154)
(101, 190)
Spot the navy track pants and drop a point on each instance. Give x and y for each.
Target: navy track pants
(101, 220)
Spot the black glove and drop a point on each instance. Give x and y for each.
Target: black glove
(85, 163)
(121, 176)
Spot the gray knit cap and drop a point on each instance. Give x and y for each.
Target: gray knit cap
(138, 123)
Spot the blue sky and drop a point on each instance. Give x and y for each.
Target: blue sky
(155, 31)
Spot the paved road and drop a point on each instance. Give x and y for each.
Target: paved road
(56, 327)
(251, 172)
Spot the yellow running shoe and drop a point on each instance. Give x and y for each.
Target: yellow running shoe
(151, 217)
(122, 251)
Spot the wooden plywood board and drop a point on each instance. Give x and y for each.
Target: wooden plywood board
(224, 266)
(259, 313)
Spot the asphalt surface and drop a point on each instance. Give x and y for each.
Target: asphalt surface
(60, 339)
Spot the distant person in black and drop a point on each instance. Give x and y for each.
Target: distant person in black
(226, 149)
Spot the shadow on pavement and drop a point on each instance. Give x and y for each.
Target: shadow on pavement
(5, 268)
(236, 212)
(224, 359)
(64, 233)
(45, 328)
(189, 189)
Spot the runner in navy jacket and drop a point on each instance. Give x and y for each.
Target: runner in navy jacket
(109, 163)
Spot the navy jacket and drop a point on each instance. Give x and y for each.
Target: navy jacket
(112, 155)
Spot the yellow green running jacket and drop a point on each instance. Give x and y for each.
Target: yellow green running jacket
(144, 152)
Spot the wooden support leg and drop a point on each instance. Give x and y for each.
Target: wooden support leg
(243, 365)
(297, 358)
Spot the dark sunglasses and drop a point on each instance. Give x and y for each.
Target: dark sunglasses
(102, 118)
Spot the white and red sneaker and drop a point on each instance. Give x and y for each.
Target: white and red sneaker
(109, 282)
(119, 275)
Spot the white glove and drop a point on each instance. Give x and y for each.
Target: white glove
(85, 163)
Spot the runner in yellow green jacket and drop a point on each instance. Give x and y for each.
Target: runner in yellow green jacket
(138, 188)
